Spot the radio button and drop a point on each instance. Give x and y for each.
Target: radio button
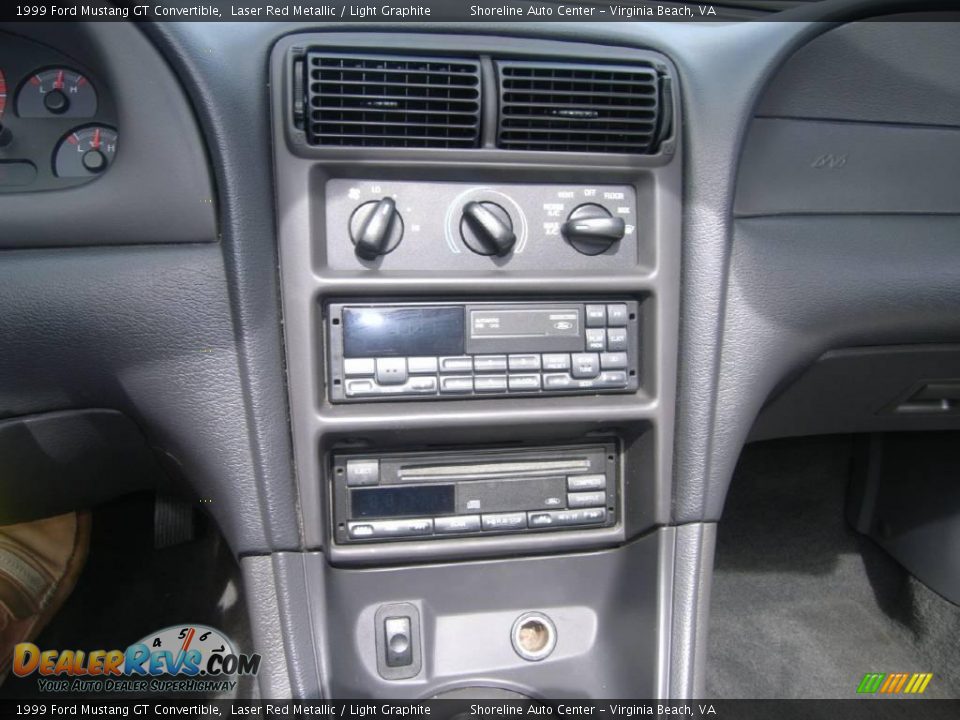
(456, 364)
(390, 528)
(456, 385)
(596, 316)
(596, 339)
(616, 339)
(352, 367)
(586, 365)
(363, 472)
(617, 315)
(586, 482)
(586, 516)
(593, 515)
(524, 362)
(360, 387)
(422, 365)
(586, 499)
(520, 383)
(557, 381)
(418, 386)
(612, 378)
(613, 361)
(540, 519)
(490, 383)
(456, 524)
(391, 371)
(490, 363)
(504, 521)
(556, 361)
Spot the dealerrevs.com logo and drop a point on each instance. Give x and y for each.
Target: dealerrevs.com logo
(182, 658)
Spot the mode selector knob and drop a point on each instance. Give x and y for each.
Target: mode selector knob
(376, 228)
(486, 228)
(592, 230)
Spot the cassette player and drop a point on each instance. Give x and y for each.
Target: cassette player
(409, 351)
(433, 495)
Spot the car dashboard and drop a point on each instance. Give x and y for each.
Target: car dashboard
(456, 331)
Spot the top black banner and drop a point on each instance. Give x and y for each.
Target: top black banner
(420, 11)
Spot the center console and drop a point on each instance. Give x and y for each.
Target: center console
(479, 252)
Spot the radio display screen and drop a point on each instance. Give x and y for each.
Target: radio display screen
(402, 332)
(387, 502)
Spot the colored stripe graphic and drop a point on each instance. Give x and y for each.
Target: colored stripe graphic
(918, 683)
(871, 682)
(894, 683)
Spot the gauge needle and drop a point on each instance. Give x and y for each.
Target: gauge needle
(186, 645)
(96, 146)
(59, 83)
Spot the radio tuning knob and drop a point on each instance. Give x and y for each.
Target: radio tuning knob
(592, 230)
(376, 228)
(486, 228)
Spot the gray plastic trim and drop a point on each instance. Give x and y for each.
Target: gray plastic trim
(644, 418)
(803, 166)
(606, 606)
(692, 582)
(260, 591)
(56, 462)
(856, 390)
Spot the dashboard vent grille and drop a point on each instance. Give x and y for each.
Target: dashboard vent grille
(392, 101)
(578, 108)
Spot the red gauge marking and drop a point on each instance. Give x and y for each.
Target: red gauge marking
(35, 80)
(187, 640)
(3, 93)
(73, 139)
(96, 139)
(81, 81)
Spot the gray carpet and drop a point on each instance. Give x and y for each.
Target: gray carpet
(802, 605)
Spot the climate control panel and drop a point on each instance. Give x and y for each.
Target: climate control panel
(403, 225)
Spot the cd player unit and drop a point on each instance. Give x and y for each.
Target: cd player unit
(433, 495)
(415, 351)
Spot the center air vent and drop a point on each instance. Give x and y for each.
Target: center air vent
(581, 108)
(392, 101)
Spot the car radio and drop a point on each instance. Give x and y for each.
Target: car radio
(410, 351)
(423, 495)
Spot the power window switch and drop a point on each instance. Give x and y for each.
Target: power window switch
(398, 642)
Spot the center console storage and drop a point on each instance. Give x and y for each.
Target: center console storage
(480, 277)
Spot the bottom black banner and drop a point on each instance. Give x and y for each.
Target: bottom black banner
(858, 709)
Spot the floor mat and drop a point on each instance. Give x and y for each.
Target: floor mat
(128, 590)
(802, 605)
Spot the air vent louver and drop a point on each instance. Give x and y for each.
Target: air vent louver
(578, 108)
(392, 101)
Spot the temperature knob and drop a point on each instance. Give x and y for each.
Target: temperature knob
(376, 228)
(486, 228)
(592, 230)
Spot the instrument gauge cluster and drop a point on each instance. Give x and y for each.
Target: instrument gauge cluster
(58, 124)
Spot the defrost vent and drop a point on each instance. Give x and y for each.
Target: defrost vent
(362, 100)
(570, 107)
